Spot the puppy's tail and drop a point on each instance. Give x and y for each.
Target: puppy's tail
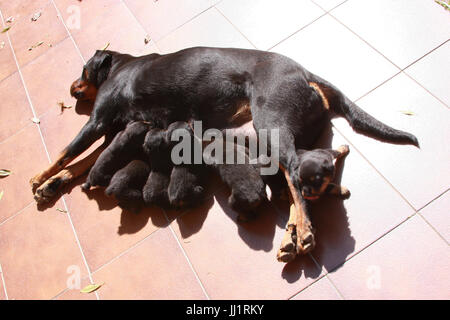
(359, 120)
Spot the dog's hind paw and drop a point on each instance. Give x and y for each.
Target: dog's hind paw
(288, 250)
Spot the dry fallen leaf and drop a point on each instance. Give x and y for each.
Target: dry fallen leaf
(91, 288)
(147, 39)
(4, 172)
(6, 29)
(10, 20)
(105, 47)
(61, 210)
(1, 195)
(36, 120)
(36, 16)
(407, 112)
(63, 106)
(35, 45)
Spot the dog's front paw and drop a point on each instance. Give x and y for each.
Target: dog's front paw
(345, 193)
(48, 190)
(35, 182)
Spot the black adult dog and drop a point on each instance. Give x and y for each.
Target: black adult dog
(222, 88)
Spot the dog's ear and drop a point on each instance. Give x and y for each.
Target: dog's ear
(102, 65)
(104, 58)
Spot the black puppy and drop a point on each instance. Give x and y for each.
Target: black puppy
(127, 183)
(316, 169)
(125, 147)
(248, 189)
(158, 154)
(176, 185)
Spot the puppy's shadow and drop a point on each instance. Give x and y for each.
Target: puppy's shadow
(133, 222)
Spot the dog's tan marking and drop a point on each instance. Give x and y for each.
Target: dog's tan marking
(298, 219)
(316, 88)
(242, 114)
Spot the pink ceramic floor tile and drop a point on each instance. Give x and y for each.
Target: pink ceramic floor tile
(73, 293)
(331, 51)
(2, 289)
(15, 110)
(6, 57)
(155, 269)
(30, 38)
(162, 17)
(256, 19)
(220, 33)
(239, 261)
(104, 229)
(15, 156)
(49, 77)
(433, 72)
(37, 251)
(411, 262)
(402, 30)
(113, 25)
(419, 174)
(437, 214)
(320, 290)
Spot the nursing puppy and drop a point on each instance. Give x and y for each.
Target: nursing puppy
(168, 185)
(127, 183)
(125, 147)
(248, 189)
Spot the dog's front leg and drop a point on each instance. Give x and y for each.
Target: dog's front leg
(52, 185)
(85, 138)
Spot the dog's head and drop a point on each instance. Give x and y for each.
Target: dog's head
(316, 171)
(95, 72)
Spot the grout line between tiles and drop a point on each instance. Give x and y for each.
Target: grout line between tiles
(125, 251)
(331, 8)
(365, 41)
(339, 293)
(46, 150)
(306, 287)
(68, 31)
(236, 28)
(294, 33)
(186, 257)
(3, 281)
(425, 219)
(15, 214)
(376, 170)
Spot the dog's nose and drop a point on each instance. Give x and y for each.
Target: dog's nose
(78, 94)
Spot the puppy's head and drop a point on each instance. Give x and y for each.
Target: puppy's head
(155, 142)
(95, 72)
(316, 171)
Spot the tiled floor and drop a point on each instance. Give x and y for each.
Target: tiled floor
(388, 241)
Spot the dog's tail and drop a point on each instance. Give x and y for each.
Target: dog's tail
(359, 120)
